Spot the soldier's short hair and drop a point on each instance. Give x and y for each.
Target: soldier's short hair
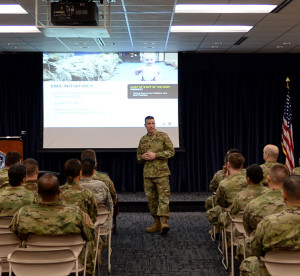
(48, 185)
(88, 165)
(88, 153)
(255, 173)
(31, 166)
(16, 174)
(12, 157)
(272, 150)
(149, 118)
(227, 154)
(278, 173)
(236, 160)
(291, 187)
(72, 169)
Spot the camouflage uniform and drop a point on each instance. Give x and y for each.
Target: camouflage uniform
(73, 194)
(213, 186)
(249, 193)
(108, 182)
(266, 168)
(31, 185)
(227, 190)
(100, 191)
(279, 231)
(296, 171)
(156, 172)
(55, 219)
(4, 178)
(269, 203)
(13, 198)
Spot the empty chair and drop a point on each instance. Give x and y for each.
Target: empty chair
(282, 262)
(4, 224)
(37, 262)
(74, 242)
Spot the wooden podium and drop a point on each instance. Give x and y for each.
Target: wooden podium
(11, 143)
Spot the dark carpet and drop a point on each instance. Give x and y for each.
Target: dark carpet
(186, 250)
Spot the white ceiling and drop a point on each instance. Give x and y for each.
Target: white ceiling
(144, 25)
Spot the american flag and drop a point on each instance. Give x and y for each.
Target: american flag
(287, 132)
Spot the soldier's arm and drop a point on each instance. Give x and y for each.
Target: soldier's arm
(92, 207)
(168, 151)
(235, 207)
(256, 243)
(246, 220)
(213, 185)
(108, 200)
(140, 153)
(87, 227)
(14, 226)
(220, 197)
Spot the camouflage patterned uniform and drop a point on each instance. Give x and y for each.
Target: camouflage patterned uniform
(266, 168)
(296, 171)
(213, 186)
(108, 182)
(100, 191)
(249, 193)
(13, 198)
(269, 203)
(226, 192)
(73, 194)
(31, 185)
(55, 219)
(156, 172)
(279, 231)
(4, 178)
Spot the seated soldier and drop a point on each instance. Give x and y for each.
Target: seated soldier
(72, 193)
(279, 231)
(32, 172)
(52, 218)
(11, 158)
(99, 189)
(254, 175)
(14, 196)
(270, 155)
(217, 178)
(269, 203)
(228, 187)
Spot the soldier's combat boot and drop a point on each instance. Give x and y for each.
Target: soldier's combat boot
(164, 226)
(156, 227)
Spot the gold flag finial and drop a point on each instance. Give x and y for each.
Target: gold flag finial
(287, 83)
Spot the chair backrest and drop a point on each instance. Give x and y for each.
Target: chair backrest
(74, 242)
(238, 222)
(4, 223)
(36, 262)
(102, 214)
(283, 262)
(8, 242)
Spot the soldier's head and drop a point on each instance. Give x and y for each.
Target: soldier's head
(16, 174)
(150, 125)
(11, 158)
(48, 187)
(229, 152)
(32, 167)
(270, 153)
(88, 166)
(235, 161)
(277, 174)
(72, 169)
(254, 174)
(89, 153)
(291, 190)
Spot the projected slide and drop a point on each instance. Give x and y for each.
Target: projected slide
(100, 100)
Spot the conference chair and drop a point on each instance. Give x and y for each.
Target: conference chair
(45, 262)
(8, 242)
(4, 223)
(238, 223)
(282, 262)
(101, 231)
(73, 242)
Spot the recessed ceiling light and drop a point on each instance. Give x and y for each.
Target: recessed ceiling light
(224, 8)
(286, 43)
(279, 46)
(218, 43)
(12, 9)
(80, 43)
(214, 46)
(210, 29)
(19, 29)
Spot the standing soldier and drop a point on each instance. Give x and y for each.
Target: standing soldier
(155, 148)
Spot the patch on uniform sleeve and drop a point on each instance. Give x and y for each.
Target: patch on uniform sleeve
(2, 160)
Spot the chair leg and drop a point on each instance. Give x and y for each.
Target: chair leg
(231, 251)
